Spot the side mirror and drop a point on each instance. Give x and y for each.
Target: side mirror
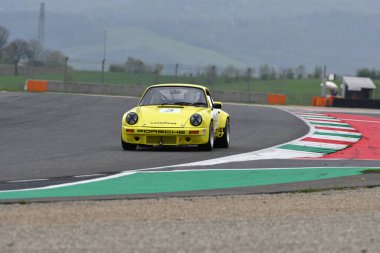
(218, 105)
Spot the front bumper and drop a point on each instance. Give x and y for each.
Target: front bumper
(164, 136)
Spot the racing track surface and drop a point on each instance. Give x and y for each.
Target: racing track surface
(58, 136)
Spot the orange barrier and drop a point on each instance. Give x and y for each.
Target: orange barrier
(329, 101)
(314, 101)
(276, 99)
(321, 101)
(36, 85)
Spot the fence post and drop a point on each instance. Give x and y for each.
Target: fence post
(140, 72)
(176, 72)
(249, 75)
(65, 73)
(103, 63)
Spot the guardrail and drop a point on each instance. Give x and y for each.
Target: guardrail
(137, 91)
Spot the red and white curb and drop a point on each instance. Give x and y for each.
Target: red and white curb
(327, 135)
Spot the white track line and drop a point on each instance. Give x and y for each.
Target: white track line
(28, 180)
(321, 145)
(324, 122)
(125, 173)
(338, 132)
(327, 120)
(89, 175)
(256, 169)
(337, 138)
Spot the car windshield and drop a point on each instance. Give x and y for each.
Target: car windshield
(174, 95)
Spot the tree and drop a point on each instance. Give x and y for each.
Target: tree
(300, 71)
(210, 73)
(158, 69)
(230, 72)
(18, 50)
(3, 39)
(116, 68)
(54, 58)
(134, 65)
(36, 53)
(249, 73)
(363, 72)
(373, 73)
(289, 73)
(317, 72)
(273, 73)
(264, 72)
(157, 72)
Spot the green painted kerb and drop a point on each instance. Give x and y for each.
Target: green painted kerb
(331, 124)
(340, 135)
(160, 182)
(308, 149)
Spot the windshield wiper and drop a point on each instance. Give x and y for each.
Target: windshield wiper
(199, 104)
(182, 103)
(185, 103)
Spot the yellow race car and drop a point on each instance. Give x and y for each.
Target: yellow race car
(176, 115)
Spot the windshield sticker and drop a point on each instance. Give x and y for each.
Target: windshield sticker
(170, 110)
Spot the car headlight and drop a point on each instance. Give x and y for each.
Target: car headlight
(132, 118)
(196, 119)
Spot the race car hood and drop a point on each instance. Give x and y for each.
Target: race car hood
(166, 116)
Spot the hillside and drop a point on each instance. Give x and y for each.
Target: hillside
(339, 33)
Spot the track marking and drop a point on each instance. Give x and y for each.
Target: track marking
(89, 175)
(179, 181)
(322, 145)
(253, 169)
(28, 180)
(337, 129)
(124, 173)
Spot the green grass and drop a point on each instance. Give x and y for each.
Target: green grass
(297, 91)
(370, 171)
(12, 83)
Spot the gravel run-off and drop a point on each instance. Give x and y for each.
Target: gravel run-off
(329, 221)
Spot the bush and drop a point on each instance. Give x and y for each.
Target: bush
(116, 68)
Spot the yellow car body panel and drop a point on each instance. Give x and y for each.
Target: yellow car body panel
(169, 123)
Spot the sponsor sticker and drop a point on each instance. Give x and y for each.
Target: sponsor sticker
(170, 110)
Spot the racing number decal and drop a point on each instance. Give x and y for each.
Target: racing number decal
(215, 116)
(214, 113)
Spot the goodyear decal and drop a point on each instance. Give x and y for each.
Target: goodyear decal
(154, 131)
(163, 123)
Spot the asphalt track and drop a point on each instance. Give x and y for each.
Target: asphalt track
(57, 135)
(66, 138)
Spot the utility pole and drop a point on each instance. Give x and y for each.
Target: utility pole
(41, 26)
(324, 82)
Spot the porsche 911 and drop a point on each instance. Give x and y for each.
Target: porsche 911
(176, 115)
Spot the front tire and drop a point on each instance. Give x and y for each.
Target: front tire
(210, 144)
(224, 141)
(128, 146)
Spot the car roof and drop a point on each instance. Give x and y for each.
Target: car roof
(180, 85)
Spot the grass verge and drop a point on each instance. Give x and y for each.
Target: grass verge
(370, 171)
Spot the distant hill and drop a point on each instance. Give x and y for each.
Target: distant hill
(142, 43)
(343, 34)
